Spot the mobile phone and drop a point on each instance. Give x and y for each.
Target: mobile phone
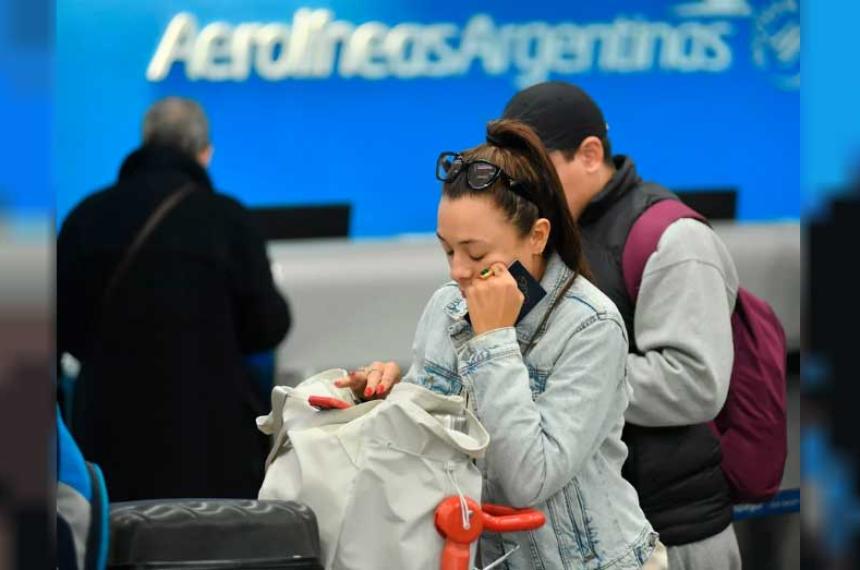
(528, 285)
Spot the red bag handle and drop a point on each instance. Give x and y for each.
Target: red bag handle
(328, 403)
(495, 518)
(498, 518)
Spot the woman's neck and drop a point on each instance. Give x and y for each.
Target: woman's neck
(538, 267)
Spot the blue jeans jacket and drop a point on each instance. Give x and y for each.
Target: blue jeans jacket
(554, 416)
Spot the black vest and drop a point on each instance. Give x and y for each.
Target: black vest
(676, 471)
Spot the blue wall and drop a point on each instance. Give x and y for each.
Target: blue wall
(26, 42)
(701, 94)
(830, 127)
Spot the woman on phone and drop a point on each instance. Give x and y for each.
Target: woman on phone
(549, 385)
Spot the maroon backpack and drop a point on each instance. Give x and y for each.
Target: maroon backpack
(752, 424)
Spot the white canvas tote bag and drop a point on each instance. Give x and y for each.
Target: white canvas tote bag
(373, 473)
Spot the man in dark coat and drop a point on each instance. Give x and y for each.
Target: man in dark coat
(164, 402)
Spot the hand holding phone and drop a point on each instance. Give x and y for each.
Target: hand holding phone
(492, 305)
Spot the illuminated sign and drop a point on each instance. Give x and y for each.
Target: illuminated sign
(316, 46)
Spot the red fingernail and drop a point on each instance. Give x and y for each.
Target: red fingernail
(380, 390)
(368, 392)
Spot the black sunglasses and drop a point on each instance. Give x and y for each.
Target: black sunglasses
(480, 173)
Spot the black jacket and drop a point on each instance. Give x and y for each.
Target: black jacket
(676, 470)
(164, 402)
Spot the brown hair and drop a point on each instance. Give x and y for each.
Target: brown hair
(515, 147)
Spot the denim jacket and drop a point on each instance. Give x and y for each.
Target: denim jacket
(554, 417)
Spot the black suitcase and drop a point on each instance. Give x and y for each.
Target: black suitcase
(213, 534)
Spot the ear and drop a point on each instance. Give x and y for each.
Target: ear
(590, 152)
(539, 236)
(205, 156)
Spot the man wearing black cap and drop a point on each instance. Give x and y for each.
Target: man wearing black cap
(679, 326)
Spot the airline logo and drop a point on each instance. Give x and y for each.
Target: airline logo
(314, 44)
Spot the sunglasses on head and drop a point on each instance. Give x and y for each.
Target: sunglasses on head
(480, 173)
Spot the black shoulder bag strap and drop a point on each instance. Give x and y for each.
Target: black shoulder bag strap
(154, 220)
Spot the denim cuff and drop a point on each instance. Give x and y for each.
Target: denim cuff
(487, 346)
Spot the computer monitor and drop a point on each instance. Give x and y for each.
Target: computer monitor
(716, 204)
(303, 221)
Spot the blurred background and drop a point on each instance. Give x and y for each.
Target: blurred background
(830, 181)
(27, 475)
(326, 118)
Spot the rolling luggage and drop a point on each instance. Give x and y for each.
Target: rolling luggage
(213, 534)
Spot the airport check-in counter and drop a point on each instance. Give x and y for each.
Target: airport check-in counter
(354, 301)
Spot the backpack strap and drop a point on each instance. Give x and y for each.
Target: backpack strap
(645, 235)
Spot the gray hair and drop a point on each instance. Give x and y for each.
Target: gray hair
(177, 122)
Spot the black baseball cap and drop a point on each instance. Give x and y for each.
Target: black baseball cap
(562, 114)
